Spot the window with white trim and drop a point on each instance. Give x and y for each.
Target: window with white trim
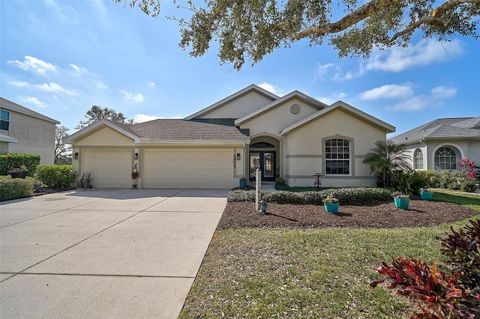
(418, 159)
(445, 158)
(337, 157)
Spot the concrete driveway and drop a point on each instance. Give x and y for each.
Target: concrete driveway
(104, 253)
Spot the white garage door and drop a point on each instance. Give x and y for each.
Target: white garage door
(109, 168)
(187, 168)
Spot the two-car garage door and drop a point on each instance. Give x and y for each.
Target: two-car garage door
(161, 168)
(187, 168)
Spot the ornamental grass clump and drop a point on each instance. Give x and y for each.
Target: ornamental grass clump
(450, 294)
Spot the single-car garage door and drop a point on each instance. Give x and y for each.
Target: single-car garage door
(188, 168)
(108, 168)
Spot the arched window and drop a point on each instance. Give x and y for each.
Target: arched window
(337, 157)
(418, 159)
(445, 158)
(262, 145)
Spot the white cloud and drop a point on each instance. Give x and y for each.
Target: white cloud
(387, 91)
(421, 102)
(19, 84)
(131, 97)
(45, 87)
(271, 88)
(78, 69)
(415, 103)
(33, 101)
(33, 64)
(444, 91)
(52, 88)
(398, 59)
(424, 52)
(349, 75)
(323, 69)
(139, 118)
(332, 98)
(152, 84)
(102, 86)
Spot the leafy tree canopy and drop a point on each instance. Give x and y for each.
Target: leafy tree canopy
(249, 29)
(98, 113)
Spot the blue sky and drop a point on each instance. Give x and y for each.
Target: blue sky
(62, 57)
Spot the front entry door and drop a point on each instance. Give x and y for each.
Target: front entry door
(265, 161)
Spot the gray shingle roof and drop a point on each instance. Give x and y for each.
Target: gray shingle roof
(173, 129)
(14, 107)
(460, 127)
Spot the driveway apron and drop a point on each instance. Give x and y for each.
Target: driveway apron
(105, 253)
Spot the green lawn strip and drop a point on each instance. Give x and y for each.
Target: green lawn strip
(319, 273)
(469, 200)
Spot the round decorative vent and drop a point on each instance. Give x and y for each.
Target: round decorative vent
(295, 109)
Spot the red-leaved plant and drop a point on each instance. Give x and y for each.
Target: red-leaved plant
(438, 295)
(468, 166)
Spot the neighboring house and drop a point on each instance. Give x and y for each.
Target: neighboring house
(293, 136)
(25, 131)
(442, 143)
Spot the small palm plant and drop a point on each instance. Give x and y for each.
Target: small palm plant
(385, 159)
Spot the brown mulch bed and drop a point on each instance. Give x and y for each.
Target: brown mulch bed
(420, 213)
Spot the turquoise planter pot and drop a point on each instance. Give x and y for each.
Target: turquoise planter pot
(331, 208)
(426, 195)
(243, 184)
(402, 203)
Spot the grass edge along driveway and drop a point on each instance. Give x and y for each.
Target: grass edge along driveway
(317, 273)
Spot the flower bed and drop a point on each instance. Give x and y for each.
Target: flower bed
(419, 214)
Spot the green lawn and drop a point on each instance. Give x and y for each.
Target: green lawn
(322, 273)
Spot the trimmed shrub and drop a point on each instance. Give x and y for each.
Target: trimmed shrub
(279, 181)
(12, 188)
(11, 161)
(469, 186)
(422, 179)
(56, 176)
(240, 195)
(283, 197)
(346, 196)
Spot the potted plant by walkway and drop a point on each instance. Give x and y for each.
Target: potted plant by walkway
(402, 201)
(243, 183)
(425, 194)
(331, 204)
(20, 172)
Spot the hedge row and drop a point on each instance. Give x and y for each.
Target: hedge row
(455, 180)
(56, 176)
(346, 196)
(11, 161)
(12, 188)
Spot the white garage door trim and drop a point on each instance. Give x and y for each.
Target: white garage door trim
(188, 168)
(108, 167)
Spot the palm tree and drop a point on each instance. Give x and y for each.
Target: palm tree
(386, 158)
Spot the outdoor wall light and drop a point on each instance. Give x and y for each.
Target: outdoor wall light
(75, 156)
(238, 156)
(135, 156)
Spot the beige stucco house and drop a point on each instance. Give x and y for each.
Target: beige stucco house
(442, 143)
(23, 130)
(294, 136)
